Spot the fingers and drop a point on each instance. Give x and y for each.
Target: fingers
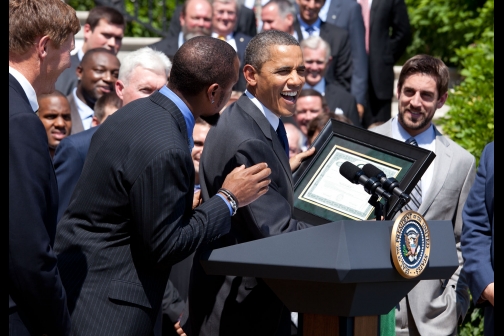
(257, 168)
(303, 155)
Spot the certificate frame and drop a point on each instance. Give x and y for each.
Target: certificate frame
(316, 178)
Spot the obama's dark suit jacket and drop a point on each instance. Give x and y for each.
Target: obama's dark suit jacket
(228, 305)
(130, 218)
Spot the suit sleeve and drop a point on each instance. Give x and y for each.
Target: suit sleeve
(401, 29)
(68, 166)
(34, 280)
(259, 218)
(357, 33)
(343, 63)
(160, 198)
(476, 237)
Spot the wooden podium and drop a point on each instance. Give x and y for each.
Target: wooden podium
(339, 276)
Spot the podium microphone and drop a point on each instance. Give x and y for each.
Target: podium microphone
(389, 184)
(355, 175)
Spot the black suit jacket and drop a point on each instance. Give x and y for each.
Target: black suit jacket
(385, 49)
(36, 292)
(228, 305)
(246, 22)
(67, 81)
(68, 161)
(168, 45)
(130, 218)
(338, 98)
(340, 69)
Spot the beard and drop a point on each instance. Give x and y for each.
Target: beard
(211, 120)
(189, 34)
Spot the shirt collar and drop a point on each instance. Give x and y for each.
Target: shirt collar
(180, 39)
(188, 116)
(270, 116)
(320, 87)
(80, 54)
(27, 88)
(304, 25)
(85, 112)
(424, 139)
(228, 37)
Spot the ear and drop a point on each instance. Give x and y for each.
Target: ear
(41, 45)
(119, 87)
(78, 72)
(249, 72)
(94, 122)
(212, 92)
(441, 101)
(289, 19)
(86, 31)
(182, 19)
(329, 60)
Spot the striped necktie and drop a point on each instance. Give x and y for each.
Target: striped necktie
(416, 193)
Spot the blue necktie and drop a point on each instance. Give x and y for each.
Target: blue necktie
(416, 193)
(310, 30)
(282, 135)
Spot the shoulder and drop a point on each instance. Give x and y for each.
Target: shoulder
(461, 156)
(242, 38)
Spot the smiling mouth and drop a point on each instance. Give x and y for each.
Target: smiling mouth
(289, 96)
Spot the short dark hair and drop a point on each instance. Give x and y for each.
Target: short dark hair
(257, 52)
(426, 65)
(90, 52)
(201, 62)
(109, 14)
(108, 99)
(55, 93)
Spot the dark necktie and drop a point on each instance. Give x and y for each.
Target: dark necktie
(310, 30)
(416, 193)
(282, 135)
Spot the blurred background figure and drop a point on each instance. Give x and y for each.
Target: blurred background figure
(296, 139)
(279, 15)
(97, 73)
(309, 104)
(316, 125)
(54, 112)
(201, 128)
(104, 28)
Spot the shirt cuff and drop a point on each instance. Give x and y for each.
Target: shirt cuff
(227, 203)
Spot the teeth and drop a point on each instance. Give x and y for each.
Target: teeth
(289, 93)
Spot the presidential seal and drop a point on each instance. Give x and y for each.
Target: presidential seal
(410, 244)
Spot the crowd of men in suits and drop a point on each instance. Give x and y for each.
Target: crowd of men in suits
(135, 208)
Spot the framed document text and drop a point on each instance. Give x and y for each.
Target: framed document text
(322, 194)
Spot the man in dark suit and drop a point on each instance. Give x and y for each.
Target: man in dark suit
(97, 74)
(131, 215)
(477, 238)
(309, 24)
(71, 153)
(104, 28)
(195, 19)
(347, 14)
(389, 35)
(39, 50)
(247, 134)
(223, 25)
(246, 22)
(317, 57)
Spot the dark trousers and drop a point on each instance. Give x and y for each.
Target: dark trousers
(378, 110)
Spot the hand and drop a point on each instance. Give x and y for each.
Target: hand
(296, 160)
(179, 330)
(488, 293)
(360, 110)
(197, 200)
(248, 184)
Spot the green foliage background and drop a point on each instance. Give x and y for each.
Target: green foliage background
(460, 32)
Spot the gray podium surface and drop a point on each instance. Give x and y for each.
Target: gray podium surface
(341, 268)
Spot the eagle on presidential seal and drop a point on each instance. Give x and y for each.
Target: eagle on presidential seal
(411, 239)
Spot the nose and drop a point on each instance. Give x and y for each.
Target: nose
(114, 43)
(416, 100)
(295, 79)
(107, 76)
(59, 122)
(311, 4)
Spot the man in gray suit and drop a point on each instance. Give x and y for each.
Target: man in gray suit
(433, 307)
(132, 214)
(251, 131)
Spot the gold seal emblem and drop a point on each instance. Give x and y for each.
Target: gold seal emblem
(410, 244)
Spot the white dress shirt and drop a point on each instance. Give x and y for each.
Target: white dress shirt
(27, 88)
(85, 112)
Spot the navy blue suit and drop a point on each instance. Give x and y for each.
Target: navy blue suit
(347, 14)
(37, 299)
(68, 162)
(477, 238)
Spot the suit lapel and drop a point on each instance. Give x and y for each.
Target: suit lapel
(375, 4)
(334, 9)
(248, 107)
(77, 125)
(161, 100)
(442, 164)
(16, 86)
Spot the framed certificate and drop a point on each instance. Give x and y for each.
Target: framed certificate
(322, 194)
